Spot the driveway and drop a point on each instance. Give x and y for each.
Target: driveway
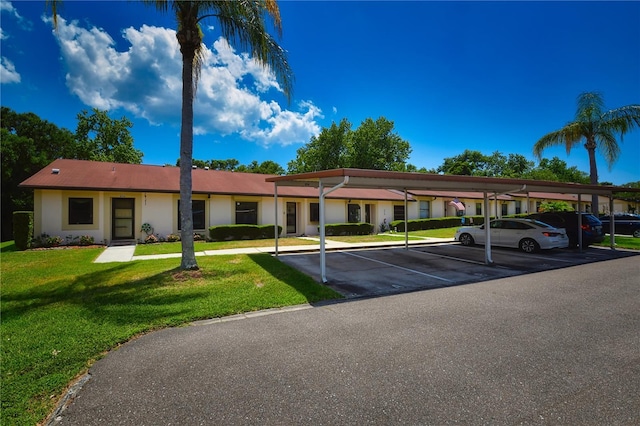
(382, 271)
(555, 347)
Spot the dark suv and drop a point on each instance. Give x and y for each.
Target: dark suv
(592, 231)
(625, 223)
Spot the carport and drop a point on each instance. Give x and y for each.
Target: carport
(328, 181)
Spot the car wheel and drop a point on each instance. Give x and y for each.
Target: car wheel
(466, 240)
(529, 246)
(636, 233)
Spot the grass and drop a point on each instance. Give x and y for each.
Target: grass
(370, 238)
(175, 247)
(436, 233)
(630, 243)
(61, 312)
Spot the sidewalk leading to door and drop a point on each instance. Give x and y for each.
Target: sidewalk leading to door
(116, 254)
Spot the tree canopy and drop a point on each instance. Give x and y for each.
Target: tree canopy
(597, 126)
(475, 163)
(101, 138)
(29, 143)
(267, 167)
(373, 145)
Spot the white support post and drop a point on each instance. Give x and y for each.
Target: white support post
(612, 225)
(580, 223)
(406, 221)
(487, 231)
(275, 199)
(323, 262)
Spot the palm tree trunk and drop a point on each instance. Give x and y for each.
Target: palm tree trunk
(593, 172)
(186, 159)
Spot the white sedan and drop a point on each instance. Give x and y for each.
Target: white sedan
(526, 234)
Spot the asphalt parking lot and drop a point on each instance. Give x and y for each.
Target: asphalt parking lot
(383, 271)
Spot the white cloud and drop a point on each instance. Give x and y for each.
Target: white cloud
(146, 81)
(8, 73)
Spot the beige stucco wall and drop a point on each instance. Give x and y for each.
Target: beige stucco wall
(160, 210)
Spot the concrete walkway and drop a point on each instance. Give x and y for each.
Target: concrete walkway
(126, 253)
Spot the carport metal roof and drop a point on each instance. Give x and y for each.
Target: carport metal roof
(362, 178)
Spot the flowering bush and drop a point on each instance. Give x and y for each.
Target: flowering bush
(86, 240)
(173, 237)
(150, 239)
(45, 240)
(198, 237)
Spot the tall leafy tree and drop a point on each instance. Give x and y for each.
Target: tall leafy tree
(597, 127)
(27, 144)
(244, 24)
(323, 152)
(101, 138)
(373, 145)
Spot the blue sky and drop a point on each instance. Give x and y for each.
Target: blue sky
(487, 76)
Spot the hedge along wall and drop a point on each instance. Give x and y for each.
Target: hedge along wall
(23, 229)
(436, 223)
(444, 222)
(348, 229)
(242, 232)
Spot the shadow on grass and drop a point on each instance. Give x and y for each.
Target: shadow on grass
(109, 295)
(8, 246)
(303, 284)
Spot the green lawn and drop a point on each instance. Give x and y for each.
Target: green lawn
(436, 233)
(175, 247)
(621, 242)
(370, 238)
(61, 312)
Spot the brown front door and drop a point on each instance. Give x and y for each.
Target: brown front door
(291, 218)
(122, 218)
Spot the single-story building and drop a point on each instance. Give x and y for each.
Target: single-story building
(112, 201)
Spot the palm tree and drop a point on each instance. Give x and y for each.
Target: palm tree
(241, 22)
(597, 126)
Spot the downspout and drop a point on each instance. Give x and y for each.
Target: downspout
(323, 263)
(275, 232)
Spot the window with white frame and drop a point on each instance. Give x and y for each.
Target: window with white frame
(425, 209)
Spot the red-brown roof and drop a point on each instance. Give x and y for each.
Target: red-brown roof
(103, 176)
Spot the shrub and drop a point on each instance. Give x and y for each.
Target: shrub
(22, 229)
(173, 238)
(242, 232)
(336, 229)
(86, 240)
(436, 223)
(150, 239)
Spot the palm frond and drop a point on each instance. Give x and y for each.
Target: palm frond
(590, 107)
(569, 136)
(621, 120)
(608, 147)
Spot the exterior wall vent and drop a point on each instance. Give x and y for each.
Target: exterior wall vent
(55, 171)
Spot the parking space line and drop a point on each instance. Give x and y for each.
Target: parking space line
(523, 255)
(459, 259)
(396, 266)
